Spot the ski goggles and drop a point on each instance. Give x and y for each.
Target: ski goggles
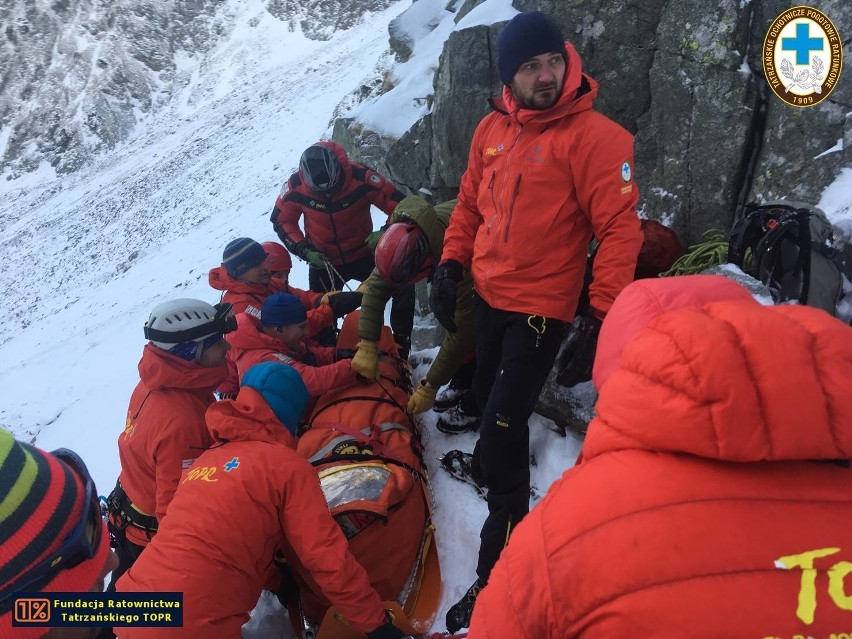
(80, 545)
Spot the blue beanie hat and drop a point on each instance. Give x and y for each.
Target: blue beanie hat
(282, 389)
(242, 254)
(282, 309)
(527, 35)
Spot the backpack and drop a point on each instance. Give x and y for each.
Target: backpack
(790, 247)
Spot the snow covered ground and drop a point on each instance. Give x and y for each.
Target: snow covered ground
(85, 257)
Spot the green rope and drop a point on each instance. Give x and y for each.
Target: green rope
(713, 251)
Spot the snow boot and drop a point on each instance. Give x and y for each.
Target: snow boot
(462, 417)
(460, 465)
(458, 386)
(449, 397)
(458, 616)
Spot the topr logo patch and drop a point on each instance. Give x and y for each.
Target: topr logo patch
(626, 172)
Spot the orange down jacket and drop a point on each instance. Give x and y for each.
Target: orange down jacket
(538, 185)
(708, 503)
(242, 502)
(165, 430)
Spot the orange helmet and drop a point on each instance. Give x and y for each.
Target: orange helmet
(403, 255)
(277, 258)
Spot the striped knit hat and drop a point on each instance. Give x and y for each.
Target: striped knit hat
(242, 254)
(41, 501)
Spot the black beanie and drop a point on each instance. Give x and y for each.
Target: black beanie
(527, 35)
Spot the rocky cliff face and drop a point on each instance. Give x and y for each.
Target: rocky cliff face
(78, 75)
(684, 76)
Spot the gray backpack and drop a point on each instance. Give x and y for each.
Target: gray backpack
(792, 250)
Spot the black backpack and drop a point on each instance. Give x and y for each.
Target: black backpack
(789, 246)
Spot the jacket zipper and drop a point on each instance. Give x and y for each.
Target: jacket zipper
(493, 201)
(515, 192)
(505, 165)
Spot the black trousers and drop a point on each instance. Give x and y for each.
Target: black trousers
(127, 553)
(514, 354)
(402, 302)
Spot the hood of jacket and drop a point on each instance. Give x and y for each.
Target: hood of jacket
(727, 380)
(219, 279)
(246, 418)
(248, 335)
(578, 94)
(432, 220)
(160, 370)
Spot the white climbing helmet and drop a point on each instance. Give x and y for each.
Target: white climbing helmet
(187, 320)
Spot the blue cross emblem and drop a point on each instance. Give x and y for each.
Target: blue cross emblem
(231, 465)
(802, 44)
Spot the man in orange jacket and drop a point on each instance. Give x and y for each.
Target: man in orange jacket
(545, 173)
(181, 365)
(280, 334)
(246, 279)
(714, 498)
(245, 505)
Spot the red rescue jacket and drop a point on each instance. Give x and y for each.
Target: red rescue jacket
(315, 364)
(339, 224)
(243, 501)
(248, 298)
(165, 430)
(708, 503)
(538, 186)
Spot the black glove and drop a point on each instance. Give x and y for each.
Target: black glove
(574, 364)
(442, 298)
(344, 353)
(387, 631)
(344, 303)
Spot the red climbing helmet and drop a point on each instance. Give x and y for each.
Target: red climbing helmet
(403, 255)
(277, 258)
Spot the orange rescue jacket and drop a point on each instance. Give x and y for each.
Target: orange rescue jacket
(708, 502)
(165, 430)
(538, 185)
(243, 501)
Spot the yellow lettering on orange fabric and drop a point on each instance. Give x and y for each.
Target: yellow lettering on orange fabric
(836, 574)
(807, 591)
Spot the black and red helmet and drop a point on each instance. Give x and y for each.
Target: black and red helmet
(321, 170)
(403, 255)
